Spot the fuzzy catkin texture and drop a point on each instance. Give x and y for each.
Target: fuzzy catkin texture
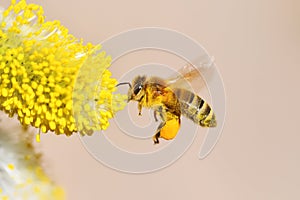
(39, 66)
(21, 175)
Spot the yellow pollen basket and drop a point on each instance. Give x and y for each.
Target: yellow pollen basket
(170, 130)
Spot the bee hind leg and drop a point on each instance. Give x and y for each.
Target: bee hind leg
(167, 129)
(157, 134)
(155, 138)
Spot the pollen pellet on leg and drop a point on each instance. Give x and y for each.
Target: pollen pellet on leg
(170, 129)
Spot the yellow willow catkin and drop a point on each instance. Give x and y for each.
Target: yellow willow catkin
(22, 176)
(40, 62)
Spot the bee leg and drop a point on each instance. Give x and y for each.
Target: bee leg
(169, 129)
(140, 109)
(155, 115)
(157, 134)
(161, 112)
(155, 138)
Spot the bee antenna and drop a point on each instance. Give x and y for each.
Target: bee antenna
(124, 83)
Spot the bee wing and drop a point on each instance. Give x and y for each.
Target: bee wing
(191, 76)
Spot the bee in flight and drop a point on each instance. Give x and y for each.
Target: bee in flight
(169, 101)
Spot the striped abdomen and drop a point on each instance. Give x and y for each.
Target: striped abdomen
(195, 108)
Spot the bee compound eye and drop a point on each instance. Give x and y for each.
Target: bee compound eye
(137, 89)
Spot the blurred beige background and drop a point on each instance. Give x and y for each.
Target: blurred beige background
(256, 45)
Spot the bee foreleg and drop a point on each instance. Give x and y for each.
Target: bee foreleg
(140, 108)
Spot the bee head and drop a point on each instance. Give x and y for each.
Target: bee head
(136, 89)
(136, 92)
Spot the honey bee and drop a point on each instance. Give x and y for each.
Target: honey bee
(170, 101)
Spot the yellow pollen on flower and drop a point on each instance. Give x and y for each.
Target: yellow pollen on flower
(39, 67)
(5, 198)
(11, 166)
(38, 137)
